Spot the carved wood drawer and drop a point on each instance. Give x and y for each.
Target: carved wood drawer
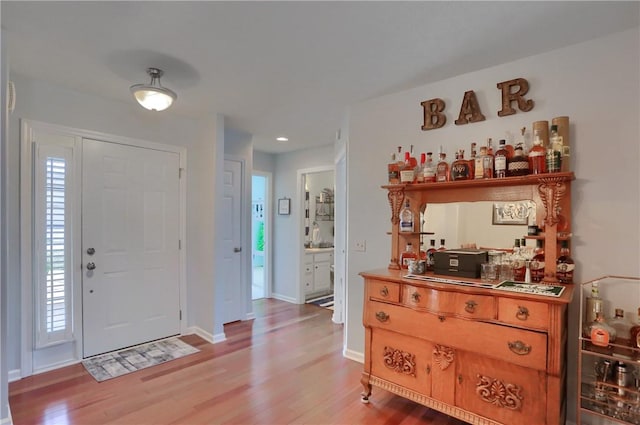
(399, 359)
(475, 306)
(384, 291)
(509, 344)
(529, 314)
(443, 302)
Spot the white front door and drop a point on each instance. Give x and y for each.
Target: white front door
(232, 249)
(130, 252)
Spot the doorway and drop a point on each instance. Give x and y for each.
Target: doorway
(260, 231)
(317, 212)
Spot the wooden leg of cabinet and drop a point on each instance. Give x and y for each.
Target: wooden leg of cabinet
(364, 380)
(555, 391)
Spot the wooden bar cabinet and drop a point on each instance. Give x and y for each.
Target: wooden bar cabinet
(476, 353)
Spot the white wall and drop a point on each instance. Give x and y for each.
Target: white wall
(286, 228)
(265, 162)
(595, 83)
(40, 101)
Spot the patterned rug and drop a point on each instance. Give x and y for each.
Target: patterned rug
(118, 363)
(324, 302)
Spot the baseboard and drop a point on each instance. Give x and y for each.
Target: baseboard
(353, 355)
(250, 316)
(284, 298)
(210, 338)
(14, 375)
(54, 366)
(7, 420)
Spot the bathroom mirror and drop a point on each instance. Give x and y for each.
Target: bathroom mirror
(487, 224)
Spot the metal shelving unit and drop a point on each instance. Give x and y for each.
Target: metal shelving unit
(601, 400)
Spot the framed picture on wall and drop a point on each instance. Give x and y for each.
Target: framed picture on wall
(511, 212)
(284, 206)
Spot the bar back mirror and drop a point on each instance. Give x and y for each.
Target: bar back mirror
(482, 224)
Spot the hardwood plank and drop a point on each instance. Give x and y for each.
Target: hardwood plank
(284, 367)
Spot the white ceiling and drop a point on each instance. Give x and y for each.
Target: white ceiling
(287, 68)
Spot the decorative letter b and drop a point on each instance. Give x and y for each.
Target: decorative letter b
(433, 116)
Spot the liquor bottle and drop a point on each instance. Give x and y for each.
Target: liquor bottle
(554, 151)
(442, 247)
(407, 256)
(430, 252)
(537, 263)
(490, 147)
(519, 164)
(526, 253)
(599, 331)
(420, 168)
(487, 164)
(406, 218)
(460, 168)
(593, 302)
(442, 169)
(518, 262)
(622, 326)
(562, 124)
(478, 168)
(408, 172)
(537, 164)
(634, 335)
(500, 160)
(393, 170)
(565, 265)
(472, 161)
(429, 170)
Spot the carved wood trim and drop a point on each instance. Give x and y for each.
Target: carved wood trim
(438, 405)
(496, 392)
(400, 361)
(443, 356)
(551, 190)
(396, 199)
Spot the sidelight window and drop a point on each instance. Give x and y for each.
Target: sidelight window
(53, 245)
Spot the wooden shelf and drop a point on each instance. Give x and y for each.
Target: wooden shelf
(506, 181)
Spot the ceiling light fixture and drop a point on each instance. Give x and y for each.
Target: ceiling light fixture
(153, 96)
(282, 139)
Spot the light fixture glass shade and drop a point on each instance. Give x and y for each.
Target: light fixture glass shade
(153, 96)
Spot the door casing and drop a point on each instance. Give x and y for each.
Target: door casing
(35, 362)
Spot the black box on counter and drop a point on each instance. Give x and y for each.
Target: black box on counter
(459, 262)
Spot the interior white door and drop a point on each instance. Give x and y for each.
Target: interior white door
(233, 278)
(130, 252)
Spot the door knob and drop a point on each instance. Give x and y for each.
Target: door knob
(237, 249)
(91, 266)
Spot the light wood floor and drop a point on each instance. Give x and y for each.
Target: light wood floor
(284, 367)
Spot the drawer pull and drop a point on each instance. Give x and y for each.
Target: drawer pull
(470, 306)
(519, 348)
(441, 318)
(384, 292)
(428, 369)
(382, 316)
(459, 379)
(415, 297)
(523, 313)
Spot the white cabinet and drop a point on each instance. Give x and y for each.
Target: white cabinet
(317, 272)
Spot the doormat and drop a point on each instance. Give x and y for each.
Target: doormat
(118, 363)
(324, 302)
